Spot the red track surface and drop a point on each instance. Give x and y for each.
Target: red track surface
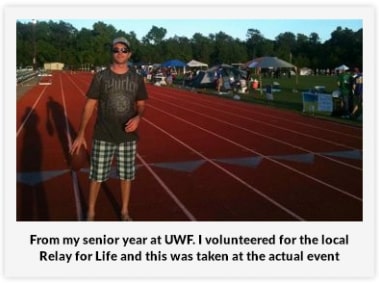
(199, 158)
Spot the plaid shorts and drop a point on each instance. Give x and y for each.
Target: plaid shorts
(102, 157)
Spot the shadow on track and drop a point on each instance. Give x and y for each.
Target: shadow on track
(31, 195)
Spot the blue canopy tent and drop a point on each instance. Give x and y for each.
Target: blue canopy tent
(173, 63)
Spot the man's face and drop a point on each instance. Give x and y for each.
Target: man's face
(121, 53)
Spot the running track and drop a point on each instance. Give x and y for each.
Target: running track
(200, 158)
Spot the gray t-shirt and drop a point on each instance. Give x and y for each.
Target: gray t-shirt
(117, 95)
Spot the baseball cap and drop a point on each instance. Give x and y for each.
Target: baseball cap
(121, 40)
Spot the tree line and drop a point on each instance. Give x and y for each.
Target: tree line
(49, 41)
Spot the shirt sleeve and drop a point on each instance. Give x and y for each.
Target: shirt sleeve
(94, 88)
(142, 92)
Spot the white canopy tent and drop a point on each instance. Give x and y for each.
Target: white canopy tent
(195, 63)
(270, 62)
(342, 67)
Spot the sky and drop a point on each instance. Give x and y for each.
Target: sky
(236, 28)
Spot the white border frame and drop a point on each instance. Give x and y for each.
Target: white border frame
(20, 257)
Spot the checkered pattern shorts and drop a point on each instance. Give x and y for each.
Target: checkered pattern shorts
(102, 157)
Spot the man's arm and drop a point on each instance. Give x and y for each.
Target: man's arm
(133, 123)
(86, 116)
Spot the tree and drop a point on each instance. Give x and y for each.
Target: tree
(344, 46)
(301, 53)
(177, 47)
(60, 41)
(102, 36)
(254, 40)
(154, 36)
(63, 36)
(24, 40)
(314, 38)
(223, 51)
(201, 47)
(285, 45)
(84, 48)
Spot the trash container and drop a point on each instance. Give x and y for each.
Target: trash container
(269, 95)
(254, 84)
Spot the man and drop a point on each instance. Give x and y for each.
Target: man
(119, 95)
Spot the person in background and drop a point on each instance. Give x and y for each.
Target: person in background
(357, 90)
(219, 80)
(118, 94)
(345, 86)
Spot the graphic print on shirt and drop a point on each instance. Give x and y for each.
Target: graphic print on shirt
(119, 105)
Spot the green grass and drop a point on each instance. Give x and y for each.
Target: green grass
(290, 95)
(291, 89)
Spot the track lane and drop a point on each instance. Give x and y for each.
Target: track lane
(264, 111)
(269, 119)
(182, 131)
(258, 148)
(206, 193)
(209, 185)
(320, 149)
(171, 177)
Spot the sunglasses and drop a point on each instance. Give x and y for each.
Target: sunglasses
(123, 50)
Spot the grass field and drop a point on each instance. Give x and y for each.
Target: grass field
(291, 89)
(290, 94)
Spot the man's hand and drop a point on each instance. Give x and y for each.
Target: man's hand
(132, 124)
(78, 142)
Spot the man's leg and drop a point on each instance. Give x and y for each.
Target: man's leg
(126, 168)
(125, 195)
(94, 188)
(101, 160)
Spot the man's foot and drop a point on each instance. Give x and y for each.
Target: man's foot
(125, 217)
(90, 217)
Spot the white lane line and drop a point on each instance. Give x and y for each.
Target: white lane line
(78, 206)
(167, 189)
(30, 112)
(76, 85)
(247, 108)
(260, 121)
(264, 136)
(262, 155)
(269, 199)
